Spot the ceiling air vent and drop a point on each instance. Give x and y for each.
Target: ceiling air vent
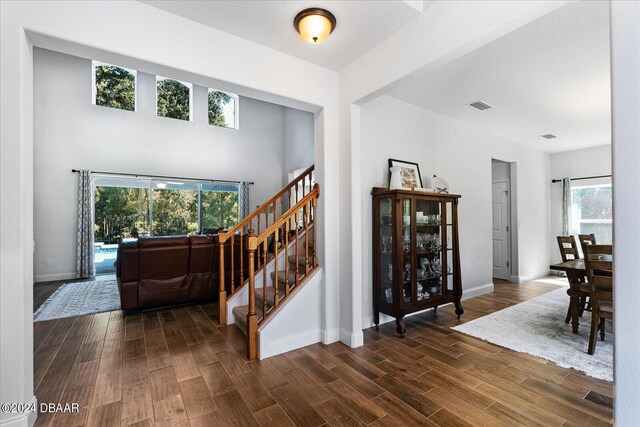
(549, 136)
(480, 105)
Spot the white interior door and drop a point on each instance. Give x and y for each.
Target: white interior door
(501, 231)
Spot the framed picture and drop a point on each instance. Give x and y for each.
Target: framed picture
(409, 174)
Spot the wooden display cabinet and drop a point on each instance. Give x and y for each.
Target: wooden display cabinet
(416, 255)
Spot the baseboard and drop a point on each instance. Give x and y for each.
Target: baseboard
(352, 339)
(292, 342)
(22, 419)
(533, 276)
(330, 336)
(477, 291)
(56, 276)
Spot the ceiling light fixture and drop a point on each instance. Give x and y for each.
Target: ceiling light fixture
(314, 24)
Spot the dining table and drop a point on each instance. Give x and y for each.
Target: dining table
(577, 274)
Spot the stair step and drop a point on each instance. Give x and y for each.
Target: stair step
(301, 260)
(271, 292)
(241, 312)
(282, 277)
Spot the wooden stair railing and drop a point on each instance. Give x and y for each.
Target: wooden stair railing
(259, 220)
(303, 215)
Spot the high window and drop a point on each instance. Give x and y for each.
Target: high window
(223, 109)
(114, 86)
(173, 98)
(591, 211)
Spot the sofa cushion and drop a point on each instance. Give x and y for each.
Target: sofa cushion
(154, 242)
(127, 261)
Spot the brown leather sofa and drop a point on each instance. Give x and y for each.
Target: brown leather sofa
(162, 271)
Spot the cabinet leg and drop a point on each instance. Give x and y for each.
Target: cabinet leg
(459, 309)
(376, 318)
(400, 326)
(435, 311)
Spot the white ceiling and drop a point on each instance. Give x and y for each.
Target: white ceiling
(360, 24)
(550, 76)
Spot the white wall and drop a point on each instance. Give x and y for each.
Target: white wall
(72, 133)
(625, 88)
(298, 138)
(461, 154)
(593, 161)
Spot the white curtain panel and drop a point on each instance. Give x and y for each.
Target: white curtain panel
(566, 206)
(85, 266)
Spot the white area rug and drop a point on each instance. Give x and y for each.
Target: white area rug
(78, 298)
(537, 327)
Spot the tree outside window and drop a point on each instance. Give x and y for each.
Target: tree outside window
(115, 87)
(592, 211)
(173, 99)
(222, 109)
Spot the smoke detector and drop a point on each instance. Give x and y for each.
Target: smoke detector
(549, 136)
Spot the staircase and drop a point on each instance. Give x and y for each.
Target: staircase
(279, 250)
(240, 313)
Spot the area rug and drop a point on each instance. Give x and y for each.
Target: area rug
(537, 327)
(78, 298)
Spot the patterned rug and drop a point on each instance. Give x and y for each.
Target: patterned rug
(537, 327)
(78, 298)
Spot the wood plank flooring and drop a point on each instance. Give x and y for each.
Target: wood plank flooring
(178, 367)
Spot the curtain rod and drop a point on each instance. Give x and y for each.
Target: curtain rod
(581, 178)
(162, 177)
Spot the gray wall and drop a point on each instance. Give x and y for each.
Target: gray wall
(297, 139)
(70, 132)
(499, 170)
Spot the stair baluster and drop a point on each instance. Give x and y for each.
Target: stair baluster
(286, 258)
(231, 254)
(264, 277)
(276, 242)
(296, 215)
(222, 301)
(306, 239)
(252, 318)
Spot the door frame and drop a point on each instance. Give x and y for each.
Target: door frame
(510, 229)
(513, 216)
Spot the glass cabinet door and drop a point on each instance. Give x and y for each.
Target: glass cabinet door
(450, 246)
(386, 251)
(407, 244)
(429, 249)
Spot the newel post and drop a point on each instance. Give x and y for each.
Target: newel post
(222, 301)
(252, 318)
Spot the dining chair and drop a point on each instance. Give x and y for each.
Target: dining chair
(568, 248)
(586, 239)
(568, 252)
(598, 261)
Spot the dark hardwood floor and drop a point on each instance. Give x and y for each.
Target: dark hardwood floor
(179, 367)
